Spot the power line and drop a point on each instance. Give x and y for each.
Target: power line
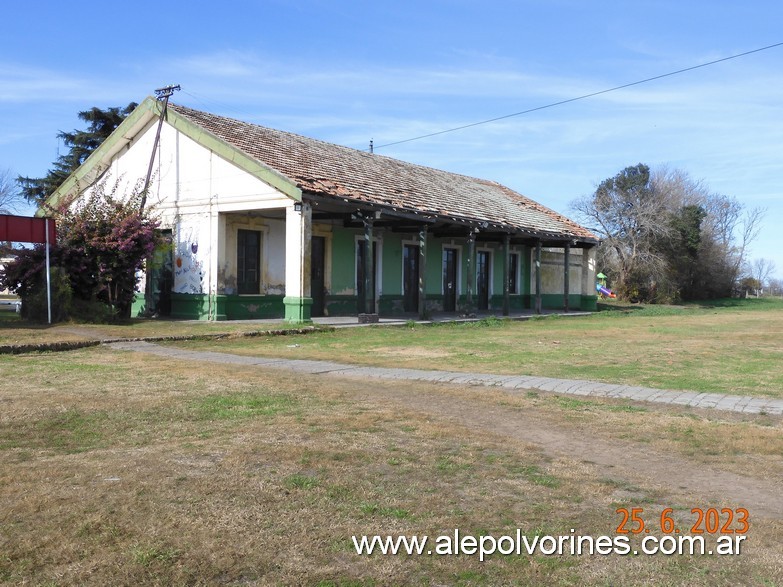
(583, 97)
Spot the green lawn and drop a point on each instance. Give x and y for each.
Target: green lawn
(735, 346)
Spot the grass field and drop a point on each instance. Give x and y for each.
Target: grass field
(735, 348)
(120, 468)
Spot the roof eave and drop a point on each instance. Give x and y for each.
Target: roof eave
(94, 165)
(430, 217)
(150, 109)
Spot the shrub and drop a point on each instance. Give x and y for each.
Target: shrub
(102, 243)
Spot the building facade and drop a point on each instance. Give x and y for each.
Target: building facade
(268, 224)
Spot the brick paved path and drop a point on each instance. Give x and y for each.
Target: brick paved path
(735, 403)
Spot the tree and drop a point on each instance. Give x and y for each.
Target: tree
(748, 285)
(761, 270)
(682, 250)
(776, 287)
(665, 237)
(80, 143)
(102, 243)
(9, 194)
(625, 212)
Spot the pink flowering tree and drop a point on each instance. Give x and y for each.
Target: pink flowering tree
(102, 243)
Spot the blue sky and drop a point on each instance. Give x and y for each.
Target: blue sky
(349, 72)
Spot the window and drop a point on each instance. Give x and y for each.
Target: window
(513, 273)
(248, 261)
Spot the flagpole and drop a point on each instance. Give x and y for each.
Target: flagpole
(48, 280)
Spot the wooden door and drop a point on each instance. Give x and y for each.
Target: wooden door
(449, 280)
(317, 281)
(482, 279)
(410, 278)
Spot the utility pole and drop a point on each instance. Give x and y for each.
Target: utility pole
(162, 94)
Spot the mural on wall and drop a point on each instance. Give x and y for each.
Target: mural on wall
(188, 269)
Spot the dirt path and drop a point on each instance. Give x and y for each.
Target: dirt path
(689, 481)
(692, 483)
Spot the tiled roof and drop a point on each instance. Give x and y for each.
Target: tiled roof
(331, 170)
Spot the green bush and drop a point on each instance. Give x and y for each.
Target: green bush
(34, 301)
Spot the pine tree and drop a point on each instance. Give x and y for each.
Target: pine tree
(80, 143)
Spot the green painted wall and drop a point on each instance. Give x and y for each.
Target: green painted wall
(343, 261)
(341, 305)
(392, 265)
(251, 307)
(197, 307)
(190, 306)
(435, 271)
(341, 299)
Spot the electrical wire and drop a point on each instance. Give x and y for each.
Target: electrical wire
(582, 97)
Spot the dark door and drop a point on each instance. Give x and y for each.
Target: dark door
(360, 250)
(482, 280)
(410, 278)
(161, 278)
(449, 280)
(248, 261)
(317, 283)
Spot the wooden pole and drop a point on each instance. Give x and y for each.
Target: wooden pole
(566, 276)
(48, 277)
(368, 267)
(423, 315)
(164, 94)
(506, 272)
(538, 277)
(471, 261)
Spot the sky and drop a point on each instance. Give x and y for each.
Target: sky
(352, 72)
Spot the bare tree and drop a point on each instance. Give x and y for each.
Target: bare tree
(761, 270)
(775, 287)
(749, 228)
(676, 188)
(10, 198)
(626, 213)
(664, 236)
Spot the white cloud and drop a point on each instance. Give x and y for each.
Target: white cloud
(19, 83)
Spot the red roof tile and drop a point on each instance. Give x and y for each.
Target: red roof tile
(331, 170)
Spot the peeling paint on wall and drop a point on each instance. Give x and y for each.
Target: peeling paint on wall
(227, 283)
(188, 269)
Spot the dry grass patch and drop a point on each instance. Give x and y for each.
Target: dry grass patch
(118, 468)
(736, 442)
(14, 331)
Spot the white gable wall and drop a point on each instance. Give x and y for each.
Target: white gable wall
(193, 188)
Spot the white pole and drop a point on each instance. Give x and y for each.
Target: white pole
(48, 280)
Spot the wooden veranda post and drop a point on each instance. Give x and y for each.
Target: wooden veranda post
(367, 304)
(423, 315)
(566, 282)
(538, 277)
(506, 273)
(471, 262)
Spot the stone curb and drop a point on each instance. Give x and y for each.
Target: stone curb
(18, 349)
